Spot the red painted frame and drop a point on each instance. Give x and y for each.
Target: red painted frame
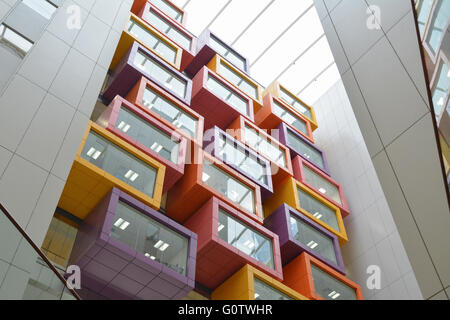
(218, 260)
(216, 111)
(299, 174)
(266, 119)
(190, 192)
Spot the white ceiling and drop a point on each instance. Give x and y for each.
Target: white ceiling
(283, 39)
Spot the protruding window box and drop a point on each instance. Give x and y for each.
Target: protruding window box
(317, 281)
(140, 31)
(241, 158)
(228, 240)
(211, 177)
(275, 112)
(308, 203)
(238, 79)
(168, 8)
(105, 161)
(172, 30)
(298, 234)
(127, 250)
(323, 184)
(217, 101)
(300, 146)
(140, 62)
(291, 99)
(208, 45)
(251, 284)
(259, 140)
(149, 135)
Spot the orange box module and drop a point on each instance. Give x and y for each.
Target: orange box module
(314, 279)
(149, 135)
(275, 111)
(166, 6)
(251, 284)
(138, 30)
(260, 141)
(105, 161)
(311, 204)
(238, 79)
(211, 177)
(228, 240)
(291, 99)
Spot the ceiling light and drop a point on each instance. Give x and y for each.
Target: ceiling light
(205, 177)
(158, 244)
(118, 222)
(134, 177)
(256, 295)
(129, 174)
(335, 296)
(318, 215)
(93, 153)
(221, 226)
(441, 101)
(124, 225)
(322, 190)
(314, 245)
(164, 246)
(90, 152)
(332, 293)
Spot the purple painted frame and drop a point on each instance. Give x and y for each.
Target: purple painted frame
(279, 222)
(126, 75)
(210, 145)
(283, 129)
(204, 54)
(128, 274)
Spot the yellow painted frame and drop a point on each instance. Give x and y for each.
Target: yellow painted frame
(100, 182)
(287, 193)
(127, 39)
(241, 286)
(214, 65)
(275, 89)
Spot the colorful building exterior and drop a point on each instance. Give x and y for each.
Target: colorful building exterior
(194, 177)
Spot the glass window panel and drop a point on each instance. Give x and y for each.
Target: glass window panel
(295, 103)
(14, 40)
(239, 81)
(305, 150)
(172, 32)
(288, 117)
(263, 291)
(245, 239)
(441, 89)
(329, 287)
(151, 238)
(119, 163)
(439, 22)
(423, 14)
(229, 186)
(322, 185)
(170, 80)
(147, 134)
(169, 9)
(150, 40)
(236, 156)
(319, 210)
(227, 53)
(228, 95)
(169, 111)
(264, 146)
(312, 238)
(42, 7)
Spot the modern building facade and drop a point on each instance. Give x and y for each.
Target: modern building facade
(152, 161)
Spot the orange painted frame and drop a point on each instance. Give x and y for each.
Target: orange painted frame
(266, 119)
(298, 276)
(190, 192)
(139, 5)
(287, 193)
(214, 65)
(279, 173)
(241, 286)
(275, 89)
(94, 183)
(127, 39)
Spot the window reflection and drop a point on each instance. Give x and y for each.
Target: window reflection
(239, 81)
(263, 291)
(304, 149)
(149, 237)
(167, 78)
(423, 14)
(318, 209)
(15, 41)
(119, 163)
(322, 185)
(329, 287)
(172, 32)
(229, 186)
(169, 9)
(228, 95)
(169, 111)
(227, 53)
(288, 117)
(437, 25)
(441, 88)
(42, 7)
(295, 103)
(147, 134)
(245, 239)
